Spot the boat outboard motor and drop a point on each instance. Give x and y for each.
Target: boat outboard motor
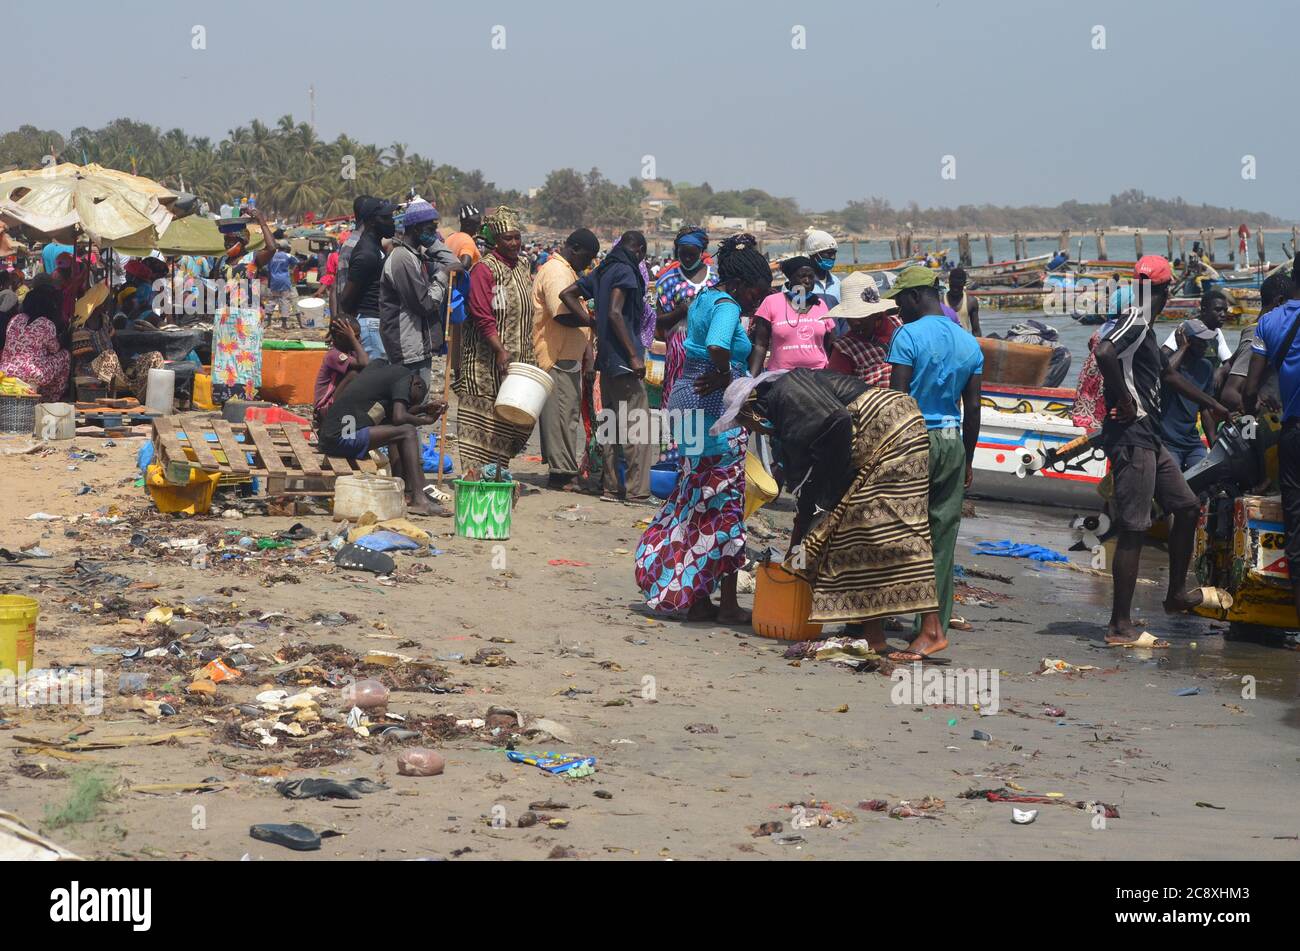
(1232, 460)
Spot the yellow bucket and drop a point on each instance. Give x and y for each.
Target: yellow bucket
(760, 488)
(18, 633)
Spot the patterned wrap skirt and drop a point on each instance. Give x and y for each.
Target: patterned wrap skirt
(870, 556)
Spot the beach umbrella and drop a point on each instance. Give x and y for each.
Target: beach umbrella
(109, 206)
(195, 235)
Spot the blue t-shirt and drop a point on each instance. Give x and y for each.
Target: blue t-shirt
(713, 320)
(943, 358)
(611, 358)
(1269, 336)
(280, 271)
(51, 252)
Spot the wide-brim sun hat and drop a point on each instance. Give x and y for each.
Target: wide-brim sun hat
(860, 297)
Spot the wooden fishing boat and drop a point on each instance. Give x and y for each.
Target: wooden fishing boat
(1016, 419)
(1249, 561)
(1022, 273)
(898, 265)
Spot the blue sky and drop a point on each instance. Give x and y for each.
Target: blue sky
(1012, 89)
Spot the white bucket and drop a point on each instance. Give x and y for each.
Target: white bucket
(523, 393)
(160, 392)
(55, 421)
(313, 311)
(354, 496)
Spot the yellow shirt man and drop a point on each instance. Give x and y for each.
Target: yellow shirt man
(552, 341)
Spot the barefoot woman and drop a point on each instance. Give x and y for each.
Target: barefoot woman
(696, 542)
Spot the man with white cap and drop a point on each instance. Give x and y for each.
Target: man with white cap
(821, 247)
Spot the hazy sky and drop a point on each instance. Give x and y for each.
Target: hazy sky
(1012, 89)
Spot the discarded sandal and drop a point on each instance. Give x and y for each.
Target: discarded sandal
(354, 556)
(1145, 639)
(291, 836)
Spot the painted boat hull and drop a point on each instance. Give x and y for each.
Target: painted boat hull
(1251, 564)
(1016, 419)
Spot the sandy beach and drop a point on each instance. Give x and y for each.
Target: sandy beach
(702, 733)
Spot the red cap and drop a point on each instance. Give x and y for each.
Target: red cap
(1154, 268)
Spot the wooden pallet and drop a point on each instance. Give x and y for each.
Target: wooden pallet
(276, 452)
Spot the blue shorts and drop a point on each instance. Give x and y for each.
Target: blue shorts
(343, 447)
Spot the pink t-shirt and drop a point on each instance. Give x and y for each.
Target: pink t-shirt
(798, 340)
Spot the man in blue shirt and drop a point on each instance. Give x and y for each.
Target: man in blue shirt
(618, 291)
(279, 281)
(1277, 347)
(939, 365)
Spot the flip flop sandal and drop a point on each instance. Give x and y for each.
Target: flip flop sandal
(611, 498)
(296, 532)
(895, 657)
(356, 557)
(1145, 639)
(433, 492)
(1215, 598)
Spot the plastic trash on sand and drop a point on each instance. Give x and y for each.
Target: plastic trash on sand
(557, 763)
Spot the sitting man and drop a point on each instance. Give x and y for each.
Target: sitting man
(382, 406)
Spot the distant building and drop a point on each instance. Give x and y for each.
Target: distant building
(722, 223)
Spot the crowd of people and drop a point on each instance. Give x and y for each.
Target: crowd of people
(861, 400)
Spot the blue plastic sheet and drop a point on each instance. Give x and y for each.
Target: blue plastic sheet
(1009, 549)
(384, 540)
(429, 456)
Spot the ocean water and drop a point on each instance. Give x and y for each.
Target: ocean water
(1119, 247)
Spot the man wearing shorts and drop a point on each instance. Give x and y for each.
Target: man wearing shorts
(1133, 367)
(383, 406)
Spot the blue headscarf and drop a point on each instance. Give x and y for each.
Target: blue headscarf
(695, 238)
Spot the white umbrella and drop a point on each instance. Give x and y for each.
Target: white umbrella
(111, 207)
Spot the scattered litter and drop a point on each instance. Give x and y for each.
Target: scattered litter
(1050, 665)
(291, 836)
(327, 788)
(420, 762)
(1023, 817)
(557, 763)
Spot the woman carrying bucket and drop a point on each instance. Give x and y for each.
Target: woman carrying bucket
(498, 333)
(858, 458)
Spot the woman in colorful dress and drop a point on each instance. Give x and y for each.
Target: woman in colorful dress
(32, 350)
(696, 541)
(498, 333)
(675, 287)
(790, 327)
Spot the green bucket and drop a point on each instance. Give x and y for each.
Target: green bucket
(483, 509)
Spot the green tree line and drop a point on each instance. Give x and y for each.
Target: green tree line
(294, 172)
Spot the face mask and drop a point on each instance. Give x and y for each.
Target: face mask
(825, 262)
(426, 239)
(385, 228)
